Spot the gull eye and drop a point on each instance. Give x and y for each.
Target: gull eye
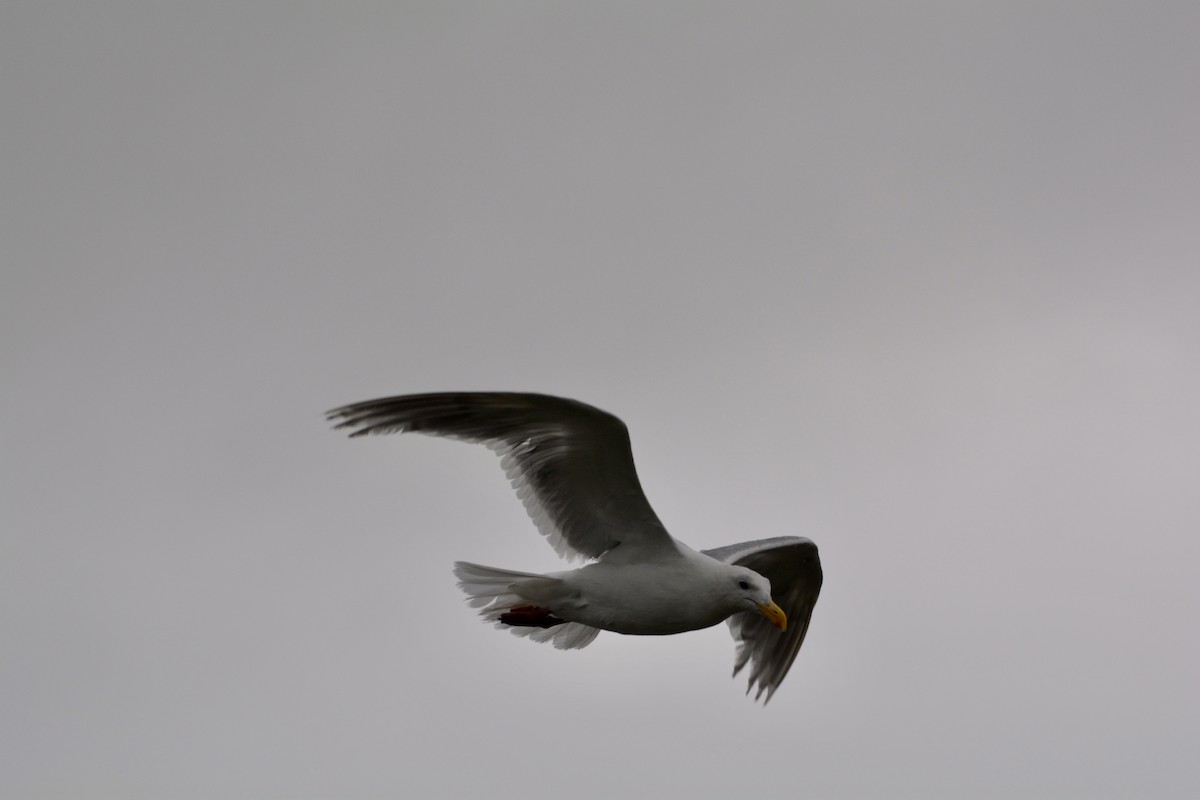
(743, 585)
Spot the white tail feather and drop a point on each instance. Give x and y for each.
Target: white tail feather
(496, 591)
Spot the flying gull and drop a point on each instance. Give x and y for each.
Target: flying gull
(572, 466)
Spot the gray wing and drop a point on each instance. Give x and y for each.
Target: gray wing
(793, 567)
(571, 464)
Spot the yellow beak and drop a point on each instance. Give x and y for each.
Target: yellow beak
(775, 614)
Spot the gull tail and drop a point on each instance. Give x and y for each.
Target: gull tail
(517, 601)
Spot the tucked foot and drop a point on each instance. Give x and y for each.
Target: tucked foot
(530, 617)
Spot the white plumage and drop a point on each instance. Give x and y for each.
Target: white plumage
(572, 467)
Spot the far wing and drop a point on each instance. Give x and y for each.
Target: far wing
(571, 464)
(793, 567)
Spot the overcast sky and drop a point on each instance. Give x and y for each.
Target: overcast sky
(919, 281)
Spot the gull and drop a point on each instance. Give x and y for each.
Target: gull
(572, 467)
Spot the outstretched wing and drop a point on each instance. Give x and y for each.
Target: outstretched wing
(793, 567)
(570, 463)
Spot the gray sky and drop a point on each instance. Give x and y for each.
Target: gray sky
(918, 281)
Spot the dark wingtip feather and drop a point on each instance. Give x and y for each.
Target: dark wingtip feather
(358, 418)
